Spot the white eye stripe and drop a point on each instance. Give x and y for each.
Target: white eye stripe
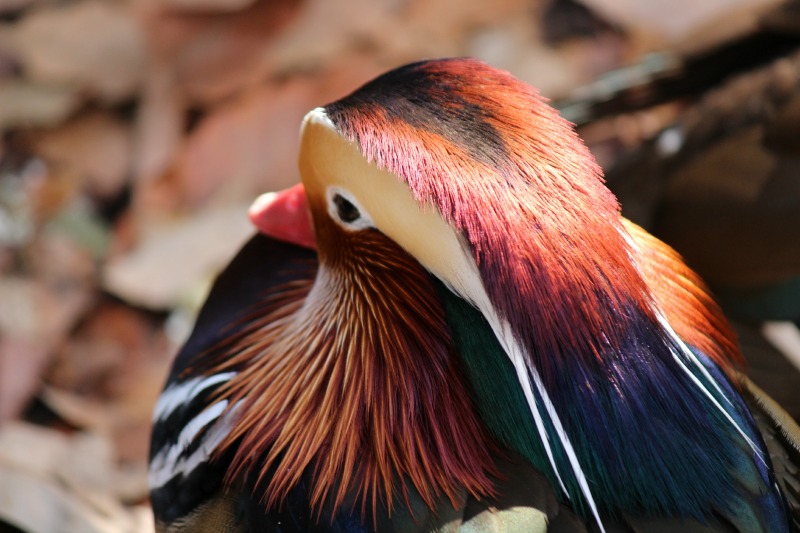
(339, 199)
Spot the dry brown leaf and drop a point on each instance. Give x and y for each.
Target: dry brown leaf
(159, 124)
(324, 32)
(92, 44)
(445, 23)
(33, 318)
(245, 147)
(96, 145)
(15, 5)
(86, 413)
(57, 258)
(107, 375)
(671, 20)
(124, 423)
(27, 104)
(207, 5)
(170, 263)
(21, 364)
(214, 56)
(515, 46)
(112, 339)
(54, 482)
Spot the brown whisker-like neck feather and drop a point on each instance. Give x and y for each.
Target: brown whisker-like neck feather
(357, 384)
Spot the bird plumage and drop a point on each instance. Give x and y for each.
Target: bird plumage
(721, 159)
(478, 300)
(341, 403)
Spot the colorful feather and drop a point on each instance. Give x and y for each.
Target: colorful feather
(478, 289)
(553, 255)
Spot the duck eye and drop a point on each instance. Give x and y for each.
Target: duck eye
(345, 210)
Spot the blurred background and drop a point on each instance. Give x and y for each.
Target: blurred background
(135, 133)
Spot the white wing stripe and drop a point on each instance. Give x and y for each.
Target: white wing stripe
(689, 354)
(169, 463)
(182, 393)
(524, 374)
(466, 282)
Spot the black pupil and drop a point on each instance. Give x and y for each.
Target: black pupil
(347, 211)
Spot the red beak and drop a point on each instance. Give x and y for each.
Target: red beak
(284, 215)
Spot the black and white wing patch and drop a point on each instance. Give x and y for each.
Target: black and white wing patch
(183, 405)
(190, 421)
(186, 431)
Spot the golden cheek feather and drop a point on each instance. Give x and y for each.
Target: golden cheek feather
(329, 160)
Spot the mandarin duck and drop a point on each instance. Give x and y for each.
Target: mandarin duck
(449, 326)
